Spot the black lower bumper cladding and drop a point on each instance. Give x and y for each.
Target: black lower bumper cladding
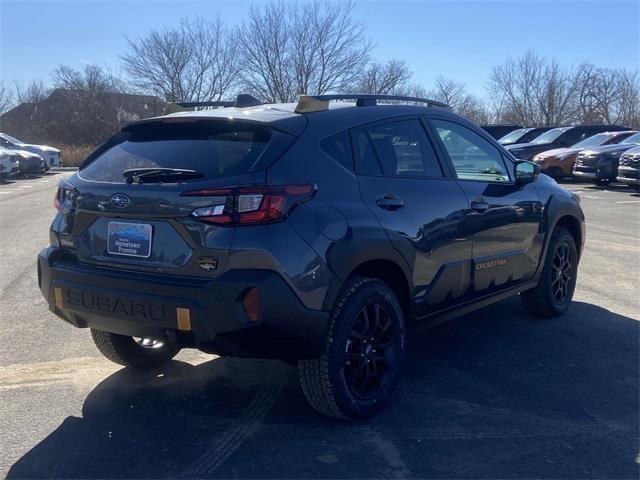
(201, 313)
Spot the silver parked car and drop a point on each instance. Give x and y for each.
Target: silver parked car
(9, 164)
(50, 155)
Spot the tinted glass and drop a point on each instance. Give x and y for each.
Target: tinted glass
(11, 139)
(550, 136)
(514, 136)
(339, 148)
(593, 141)
(214, 149)
(635, 138)
(575, 135)
(618, 138)
(473, 157)
(399, 148)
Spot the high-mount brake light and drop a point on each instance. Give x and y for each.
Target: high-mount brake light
(251, 205)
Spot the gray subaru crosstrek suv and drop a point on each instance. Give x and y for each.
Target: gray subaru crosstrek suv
(318, 233)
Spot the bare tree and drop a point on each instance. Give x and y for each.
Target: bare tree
(553, 94)
(448, 91)
(533, 91)
(33, 92)
(628, 107)
(384, 78)
(93, 79)
(6, 97)
(310, 48)
(195, 61)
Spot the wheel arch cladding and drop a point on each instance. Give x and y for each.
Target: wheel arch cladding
(390, 273)
(572, 224)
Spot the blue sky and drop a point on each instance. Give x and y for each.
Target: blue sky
(458, 39)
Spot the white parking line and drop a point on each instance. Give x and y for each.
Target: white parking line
(630, 201)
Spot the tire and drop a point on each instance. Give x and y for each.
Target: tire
(358, 370)
(126, 351)
(602, 182)
(556, 173)
(554, 293)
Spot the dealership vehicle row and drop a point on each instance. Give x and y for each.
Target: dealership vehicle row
(589, 152)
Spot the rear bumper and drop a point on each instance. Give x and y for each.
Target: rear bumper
(200, 313)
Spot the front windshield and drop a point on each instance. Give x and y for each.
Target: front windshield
(512, 137)
(11, 139)
(549, 136)
(593, 141)
(635, 138)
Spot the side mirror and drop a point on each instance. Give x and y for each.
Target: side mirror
(526, 172)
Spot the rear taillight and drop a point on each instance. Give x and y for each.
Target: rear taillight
(65, 197)
(251, 205)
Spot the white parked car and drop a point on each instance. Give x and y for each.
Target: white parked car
(9, 163)
(51, 155)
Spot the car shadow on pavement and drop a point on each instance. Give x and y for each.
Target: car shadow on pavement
(492, 394)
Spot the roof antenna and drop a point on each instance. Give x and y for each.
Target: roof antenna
(244, 100)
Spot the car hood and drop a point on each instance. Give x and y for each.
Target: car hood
(518, 146)
(619, 147)
(39, 148)
(633, 151)
(558, 152)
(20, 152)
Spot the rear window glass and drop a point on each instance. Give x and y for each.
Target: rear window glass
(214, 149)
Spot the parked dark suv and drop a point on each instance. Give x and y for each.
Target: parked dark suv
(315, 233)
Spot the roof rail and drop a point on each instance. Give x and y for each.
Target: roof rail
(316, 103)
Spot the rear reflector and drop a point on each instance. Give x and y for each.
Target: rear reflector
(251, 205)
(251, 304)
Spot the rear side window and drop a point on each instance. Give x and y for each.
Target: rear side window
(396, 149)
(215, 149)
(338, 147)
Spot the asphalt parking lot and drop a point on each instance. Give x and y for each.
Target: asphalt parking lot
(492, 394)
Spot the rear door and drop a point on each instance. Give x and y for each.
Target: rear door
(502, 218)
(421, 210)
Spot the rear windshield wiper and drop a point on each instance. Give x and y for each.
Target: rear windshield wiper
(154, 174)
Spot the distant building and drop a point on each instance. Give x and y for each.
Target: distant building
(77, 117)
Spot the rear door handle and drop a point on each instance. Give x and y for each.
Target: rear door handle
(390, 202)
(479, 206)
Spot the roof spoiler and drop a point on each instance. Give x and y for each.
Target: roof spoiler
(317, 103)
(241, 101)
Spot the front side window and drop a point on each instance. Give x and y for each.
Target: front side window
(473, 157)
(396, 149)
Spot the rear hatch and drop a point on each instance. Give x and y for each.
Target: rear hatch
(161, 196)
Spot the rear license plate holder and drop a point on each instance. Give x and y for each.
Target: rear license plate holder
(129, 239)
